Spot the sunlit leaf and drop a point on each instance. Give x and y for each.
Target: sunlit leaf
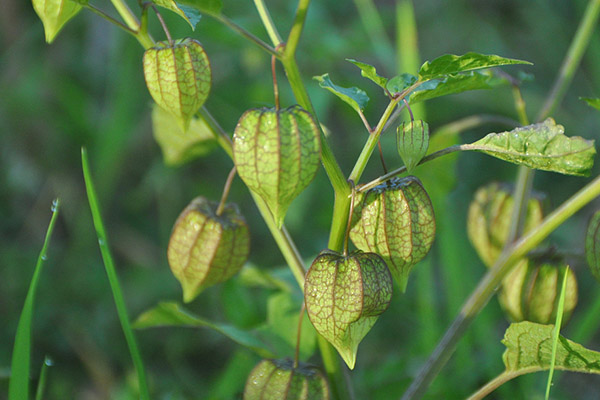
(191, 15)
(179, 147)
(541, 146)
(451, 64)
(398, 83)
(369, 72)
(529, 349)
(453, 84)
(355, 97)
(172, 314)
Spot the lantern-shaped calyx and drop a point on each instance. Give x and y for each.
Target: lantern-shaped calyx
(277, 154)
(413, 141)
(280, 380)
(396, 221)
(490, 215)
(531, 291)
(206, 248)
(178, 77)
(344, 296)
(55, 14)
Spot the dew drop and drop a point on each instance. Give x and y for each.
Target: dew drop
(49, 362)
(44, 257)
(54, 205)
(101, 242)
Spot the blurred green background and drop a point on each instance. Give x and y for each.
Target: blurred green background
(87, 89)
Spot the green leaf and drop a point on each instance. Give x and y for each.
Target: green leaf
(541, 146)
(451, 64)
(55, 14)
(355, 97)
(529, 349)
(209, 7)
(18, 386)
(179, 147)
(173, 314)
(191, 15)
(592, 102)
(401, 82)
(369, 72)
(453, 84)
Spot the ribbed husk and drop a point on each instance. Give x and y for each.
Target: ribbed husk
(279, 380)
(396, 221)
(530, 292)
(178, 77)
(490, 215)
(206, 248)
(55, 14)
(412, 141)
(344, 296)
(277, 154)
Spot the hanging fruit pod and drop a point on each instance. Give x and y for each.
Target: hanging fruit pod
(413, 141)
(396, 221)
(206, 248)
(55, 14)
(490, 215)
(277, 154)
(279, 380)
(178, 77)
(530, 292)
(344, 296)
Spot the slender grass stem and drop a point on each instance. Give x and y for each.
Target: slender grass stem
(41, 387)
(113, 279)
(18, 386)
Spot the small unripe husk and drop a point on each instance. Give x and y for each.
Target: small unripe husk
(344, 296)
(277, 154)
(55, 14)
(178, 77)
(279, 380)
(206, 248)
(396, 221)
(413, 142)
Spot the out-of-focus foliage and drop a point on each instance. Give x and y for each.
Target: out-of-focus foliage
(87, 88)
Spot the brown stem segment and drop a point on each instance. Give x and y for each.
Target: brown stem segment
(163, 24)
(228, 182)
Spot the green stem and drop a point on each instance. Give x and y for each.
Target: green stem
(297, 26)
(245, 34)
(372, 141)
(39, 393)
(487, 285)
(572, 59)
(113, 279)
(268, 22)
(495, 384)
(110, 19)
(134, 25)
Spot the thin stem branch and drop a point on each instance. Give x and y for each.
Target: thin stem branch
(294, 36)
(275, 87)
(228, 183)
(163, 24)
(572, 59)
(494, 384)
(110, 19)
(268, 22)
(491, 280)
(349, 219)
(245, 34)
(132, 22)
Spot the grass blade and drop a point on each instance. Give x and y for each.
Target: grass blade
(39, 394)
(112, 277)
(556, 333)
(18, 387)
